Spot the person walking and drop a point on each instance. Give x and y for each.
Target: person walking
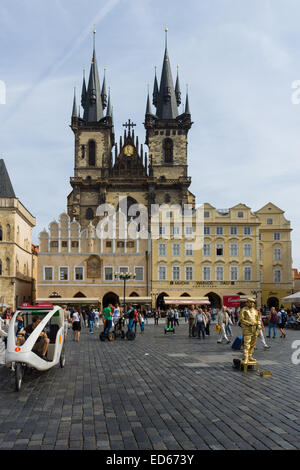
(185, 315)
(192, 314)
(273, 320)
(261, 332)
(201, 323)
(142, 323)
(208, 321)
(156, 317)
(76, 325)
(96, 318)
(67, 319)
(222, 321)
(282, 319)
(91, 320)
(176, 317)
(107, 313)
(135, 318)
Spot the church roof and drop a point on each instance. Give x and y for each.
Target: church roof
(6, 188)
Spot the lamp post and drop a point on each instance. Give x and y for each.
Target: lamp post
(125, 277)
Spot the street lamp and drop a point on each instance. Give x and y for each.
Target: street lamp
(125, 277)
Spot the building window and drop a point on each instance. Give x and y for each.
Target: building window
(219, 230)
(74, 244)
(260, 237)
(207, 230)
(247, 230)
(8, 232)
(176, 249)
(206, 273)
(206, 214)
(139, 273)
(176, 230)
(130, 244)
(176, 273)
(247, 249)
(48, 274)
(162, 273)
(78, 273)
(64, 244)
(260, 254)
(168, 150)
(233, 230)
(207, 249)
(120, 244)
(277, 254)
(89, 215)
(247, 273)
(188, 229)
(277, 236)
(162, 249)
(64, 274)
(92, 153)
(269, 221)
(220, 249)
(277, 275)
(54, 244)
(233, 273)
(108, 244)
(219, 273)
(189, 273)
(123, 269)
(108, 273)
(233, 249)
(189, 249)
(260, 273)
(1, 234)
(240, 214)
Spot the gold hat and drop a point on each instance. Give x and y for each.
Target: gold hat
(251, 300)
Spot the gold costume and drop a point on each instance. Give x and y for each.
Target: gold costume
(251, 326)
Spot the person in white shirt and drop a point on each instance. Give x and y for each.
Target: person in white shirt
(223, 320)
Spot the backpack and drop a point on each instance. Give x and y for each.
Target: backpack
(274, 318)
(283, 317)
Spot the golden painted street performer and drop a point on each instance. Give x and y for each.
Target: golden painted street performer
(251, 326)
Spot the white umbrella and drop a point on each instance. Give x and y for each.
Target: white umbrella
(4, 306)
(294, 298)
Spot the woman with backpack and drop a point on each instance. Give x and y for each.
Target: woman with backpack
(282, 322)
(273, 320)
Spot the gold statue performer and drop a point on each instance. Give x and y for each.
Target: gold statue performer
(251, 326)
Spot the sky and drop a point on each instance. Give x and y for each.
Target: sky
(239, 59)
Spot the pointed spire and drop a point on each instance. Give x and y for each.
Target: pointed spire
(148, 107)
(6, 188)
(104, 92)
(93, 111)
(74, 111)
(83, 92)
(167, 103)
(177, 89)
(109, 109)
(155, 90)
(187, 104)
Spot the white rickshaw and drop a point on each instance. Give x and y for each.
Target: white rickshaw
(18, 357)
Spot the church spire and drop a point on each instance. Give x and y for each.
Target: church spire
(74, 111)
(167, 103)
(148, 107)
(109, 107)
(93, 111)
(155, 90)
(177, 89)
(83, 92)
(104, 92)
(187, 104)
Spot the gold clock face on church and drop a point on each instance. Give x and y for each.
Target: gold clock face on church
(129, 150)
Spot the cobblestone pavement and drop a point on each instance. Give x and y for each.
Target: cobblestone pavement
(161, 392)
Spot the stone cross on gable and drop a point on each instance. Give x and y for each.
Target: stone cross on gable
(129, 125)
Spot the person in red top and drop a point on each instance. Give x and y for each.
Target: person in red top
(135, 318)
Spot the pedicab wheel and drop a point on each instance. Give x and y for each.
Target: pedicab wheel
(111, 337)
(18, 376)
(62, 359)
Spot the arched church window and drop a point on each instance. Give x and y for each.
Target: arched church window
(92, 153)
(168, 151)
(89, 214)
(8, 266)
(1, 234)
(8, 232)
(0, 267)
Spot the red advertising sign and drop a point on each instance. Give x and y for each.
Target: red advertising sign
(231, 301)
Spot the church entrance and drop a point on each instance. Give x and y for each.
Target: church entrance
(110, 298)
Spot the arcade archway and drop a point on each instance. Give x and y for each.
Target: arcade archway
(110, 298)
(273, 302)
(215, 300)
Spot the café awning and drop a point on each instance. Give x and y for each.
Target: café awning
(73, 300)
(186, 301)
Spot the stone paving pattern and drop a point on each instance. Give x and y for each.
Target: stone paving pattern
(159, 392)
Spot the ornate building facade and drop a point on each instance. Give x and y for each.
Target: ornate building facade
(234, 254)
(17, 259)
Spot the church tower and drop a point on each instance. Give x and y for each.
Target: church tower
(94, 139)
(167, 131)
